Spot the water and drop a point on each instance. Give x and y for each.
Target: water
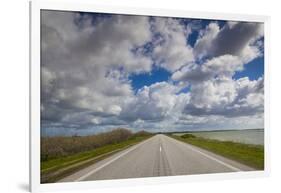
(253, 136)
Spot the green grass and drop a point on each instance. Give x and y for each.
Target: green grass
(251, 155)
(55, 169)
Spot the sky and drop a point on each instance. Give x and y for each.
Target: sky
(105, 71)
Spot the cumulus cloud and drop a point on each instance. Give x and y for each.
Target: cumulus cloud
(154, 103)
(222, 66)
(234, 38)
(204, 43)
(171, 49)
(80, 63)
(227, 97)
(87, 61)
(226, 50)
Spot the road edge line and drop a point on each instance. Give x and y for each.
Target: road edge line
(196, 149)
(111, 161)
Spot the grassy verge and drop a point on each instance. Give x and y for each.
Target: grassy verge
(55, 169)
(251, 155)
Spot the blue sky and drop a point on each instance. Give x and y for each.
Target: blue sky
(104, 71)
(147, 79)
(253, 69)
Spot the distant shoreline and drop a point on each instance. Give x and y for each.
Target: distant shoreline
(164, 132)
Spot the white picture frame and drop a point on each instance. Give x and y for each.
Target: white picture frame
(36, 6)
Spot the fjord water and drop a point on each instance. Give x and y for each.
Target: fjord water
(249, 136)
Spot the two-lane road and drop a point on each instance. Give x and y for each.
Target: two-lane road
(157, 156)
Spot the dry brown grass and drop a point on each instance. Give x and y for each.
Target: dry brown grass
(56, 147)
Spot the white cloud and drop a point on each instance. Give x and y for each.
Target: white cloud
(226, 50)
(209, 94)
(87, 63)
(171, 49)
(234, 38)
(153, 103)
(222, 66)
(204, 43)
(81, 62)
(226, 97)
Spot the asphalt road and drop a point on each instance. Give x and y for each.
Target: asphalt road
(157, 156)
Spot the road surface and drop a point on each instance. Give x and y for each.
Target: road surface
(157, 156)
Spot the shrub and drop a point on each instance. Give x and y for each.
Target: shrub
(185, 136)
(54, 147)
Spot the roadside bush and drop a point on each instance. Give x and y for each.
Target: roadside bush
(141, 134)
(185, 136)
(54, 147)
